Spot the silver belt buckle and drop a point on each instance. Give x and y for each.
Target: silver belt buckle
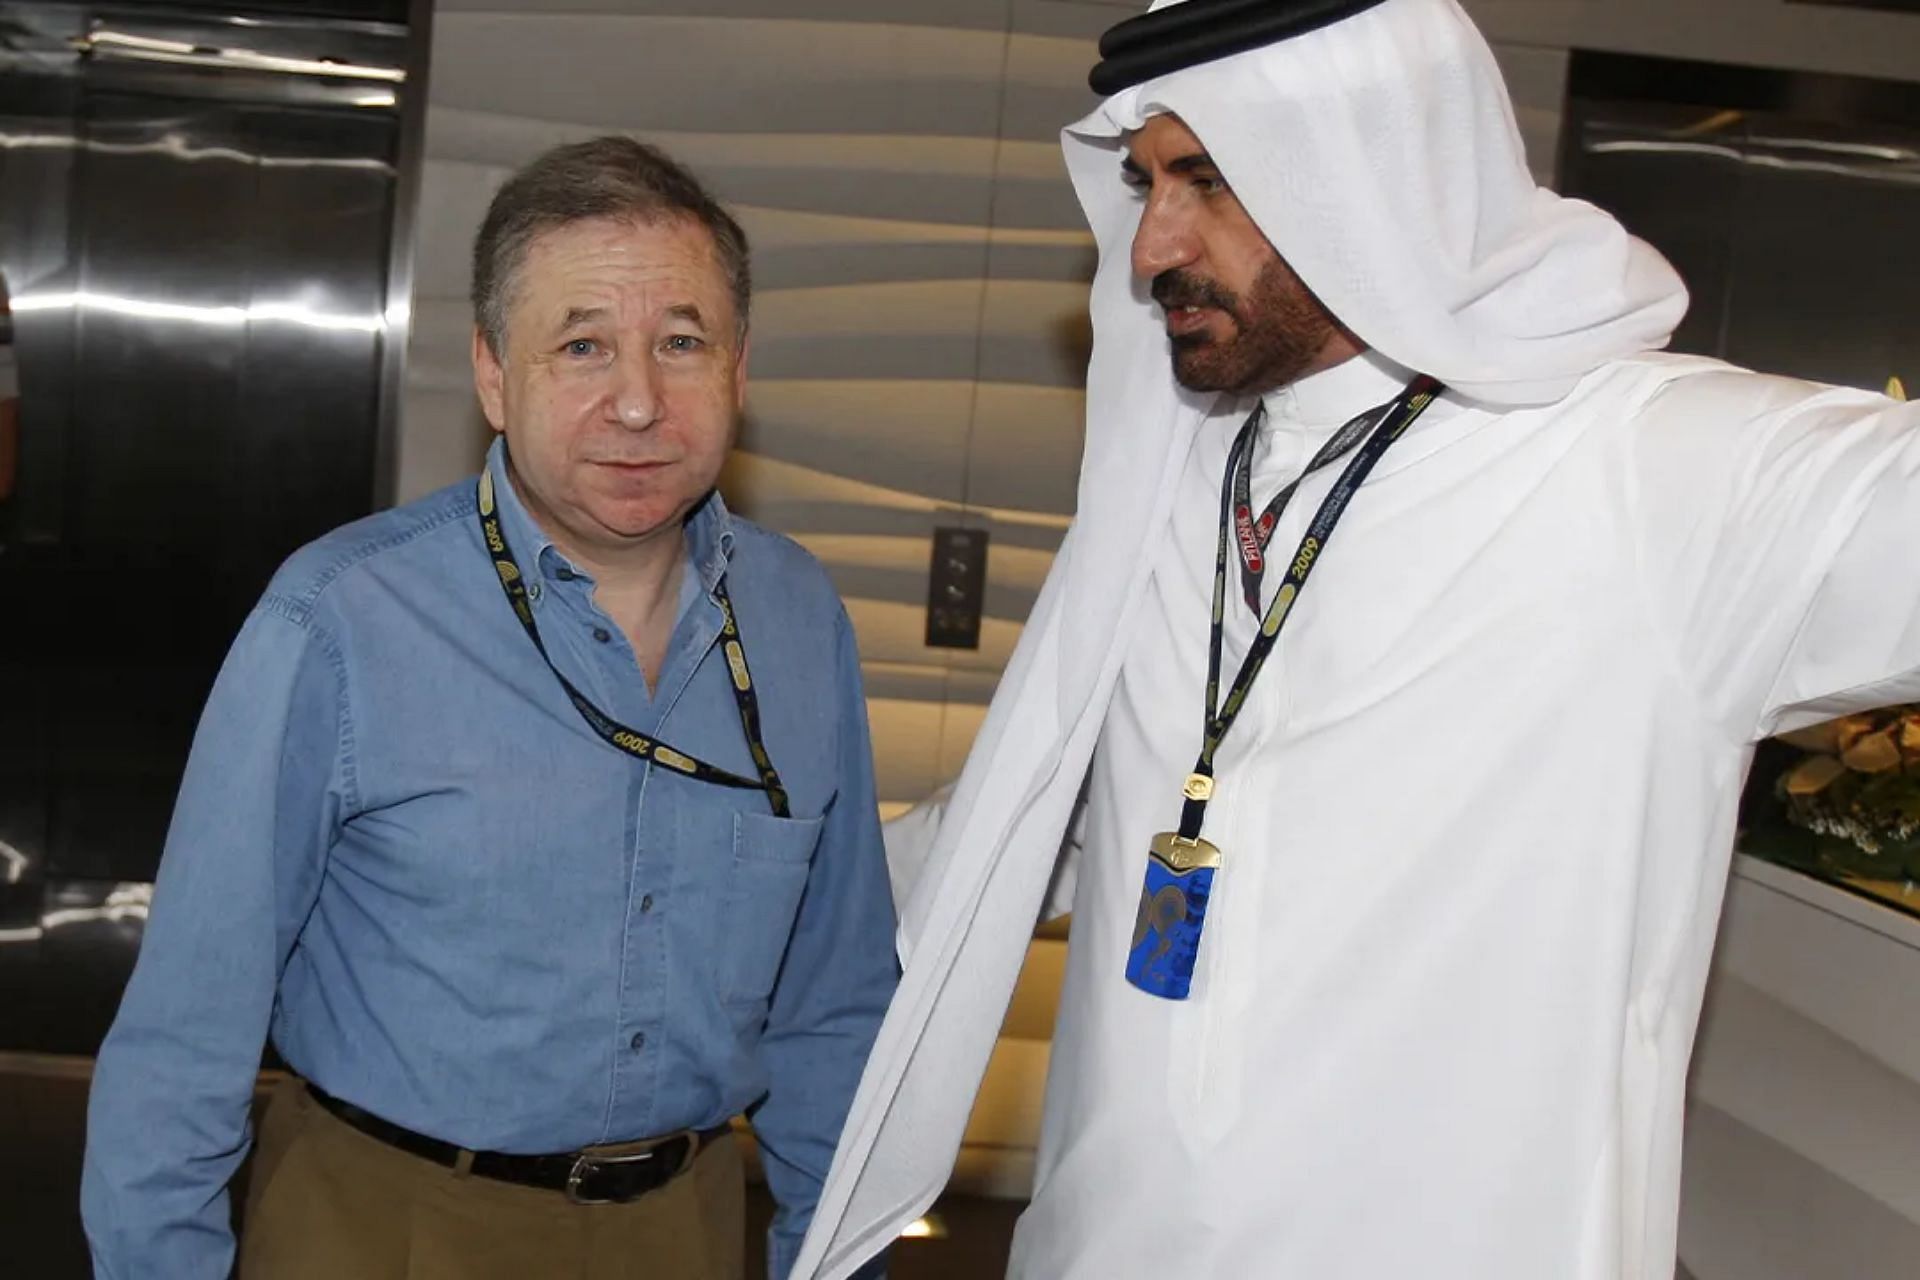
(584, 1164)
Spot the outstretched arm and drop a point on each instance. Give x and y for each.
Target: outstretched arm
(1780, 537)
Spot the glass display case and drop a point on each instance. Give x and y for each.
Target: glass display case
(1841, 801)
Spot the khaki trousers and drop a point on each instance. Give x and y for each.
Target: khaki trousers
(327, 1202)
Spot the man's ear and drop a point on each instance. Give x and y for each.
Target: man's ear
(740, 373)
(489, 380)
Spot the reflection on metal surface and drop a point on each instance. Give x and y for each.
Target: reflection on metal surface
(116, 904)
(123, 902)
(1781, 197)
(13, 864)
(1900, 165)
(219, 317)
(174, 146)
(409, 154)
(127, 45)
(63, 967)
(1714, 123)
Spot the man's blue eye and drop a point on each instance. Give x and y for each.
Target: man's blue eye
(683, 342)
(581, 347)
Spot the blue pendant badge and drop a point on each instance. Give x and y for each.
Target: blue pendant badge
(1173, 909)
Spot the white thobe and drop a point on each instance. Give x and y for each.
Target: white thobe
(1477, 816)
(1476, 819)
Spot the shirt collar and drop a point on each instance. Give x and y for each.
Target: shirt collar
(1333, 396)
(710, 541)
(528, 541)
(709, 530)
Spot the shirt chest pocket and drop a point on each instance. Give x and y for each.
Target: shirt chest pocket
(771, 859)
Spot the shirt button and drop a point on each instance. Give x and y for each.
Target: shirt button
(564, 574)
(639, 1041)
(602, 634)
(533, 591)
(646, 904)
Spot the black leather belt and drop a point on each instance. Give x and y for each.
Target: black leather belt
(611, 1174)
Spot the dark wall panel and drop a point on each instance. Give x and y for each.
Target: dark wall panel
(1786, 200)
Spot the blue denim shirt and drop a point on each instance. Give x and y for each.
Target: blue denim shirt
(400, 851)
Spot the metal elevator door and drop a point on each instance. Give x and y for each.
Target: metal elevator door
(199, 282)
(202, 445)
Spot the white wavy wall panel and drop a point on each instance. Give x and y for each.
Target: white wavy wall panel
(919, 335)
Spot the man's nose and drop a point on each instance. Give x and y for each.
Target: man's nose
(636, 399)
(1162, 242)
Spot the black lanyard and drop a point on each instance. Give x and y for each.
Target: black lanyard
(634, 743)
(1251, 534)
(1400, 415)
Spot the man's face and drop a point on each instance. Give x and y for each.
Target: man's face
(621, 379)
(1240, 320)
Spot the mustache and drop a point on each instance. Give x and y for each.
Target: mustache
(1177, 288)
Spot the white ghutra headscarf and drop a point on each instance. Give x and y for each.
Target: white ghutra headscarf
(1380, 157)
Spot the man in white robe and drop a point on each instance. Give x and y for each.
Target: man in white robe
(1477, 812)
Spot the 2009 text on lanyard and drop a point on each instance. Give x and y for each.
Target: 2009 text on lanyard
(1253, 532)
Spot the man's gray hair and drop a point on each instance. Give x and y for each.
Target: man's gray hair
(606, 177)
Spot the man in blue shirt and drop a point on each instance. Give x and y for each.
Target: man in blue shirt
(533, 820)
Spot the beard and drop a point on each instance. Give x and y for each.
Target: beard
(1280, 329)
